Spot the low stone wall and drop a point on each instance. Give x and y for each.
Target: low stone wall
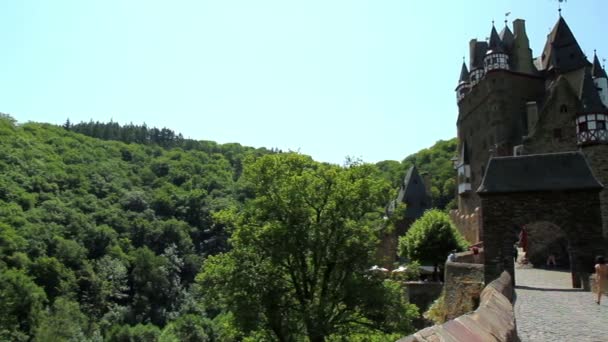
(470, 257)
(423, 293)
(463, 283)
(494, 319)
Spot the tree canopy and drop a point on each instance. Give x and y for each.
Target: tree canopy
(431, 238)
(300, 253)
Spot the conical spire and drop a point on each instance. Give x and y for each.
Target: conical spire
(495, 43)
(507, 38)
(597, 71)
(562, 51)
(590, 98)
(464, 74)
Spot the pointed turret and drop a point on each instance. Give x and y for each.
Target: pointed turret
(463, 83)
(507, 38)
(495, 58)
(495, 42)
(600, 79)
(592, 114)
(413, 193)
(590, 98)
(562, 52)
(597, 71)
(464, 74)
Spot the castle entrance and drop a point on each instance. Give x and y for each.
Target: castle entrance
(558, 197)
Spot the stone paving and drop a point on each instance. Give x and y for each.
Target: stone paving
(547, 308)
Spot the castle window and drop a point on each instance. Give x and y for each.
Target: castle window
(563, 109)
(582, 127)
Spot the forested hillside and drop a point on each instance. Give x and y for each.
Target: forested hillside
(104, 239)
(104, 234)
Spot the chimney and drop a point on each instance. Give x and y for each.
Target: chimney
(522, 55)
(519, 27)
(532, 116)
(472, 44)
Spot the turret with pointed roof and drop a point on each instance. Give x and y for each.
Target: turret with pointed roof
(463, 83)
(507, 38)
(600, 79)
(495, 58)
(413, 193)
(590, 98)
(597, 71)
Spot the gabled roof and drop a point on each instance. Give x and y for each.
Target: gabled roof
(597, 71)
(538, 172)
(562, 51)
(590, 98)
(464, 74)
(507, 38)
(413, 194)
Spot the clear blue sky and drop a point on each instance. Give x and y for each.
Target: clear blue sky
(331, 78)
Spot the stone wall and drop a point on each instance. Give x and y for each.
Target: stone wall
(577, 213)
(468, 225)
(463, 283)
(494, 319)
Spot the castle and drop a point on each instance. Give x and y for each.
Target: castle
(511, 103)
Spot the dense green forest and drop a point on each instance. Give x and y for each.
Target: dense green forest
(106, 239)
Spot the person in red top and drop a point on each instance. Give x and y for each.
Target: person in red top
(523, 242)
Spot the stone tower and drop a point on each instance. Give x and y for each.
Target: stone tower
(514, 104)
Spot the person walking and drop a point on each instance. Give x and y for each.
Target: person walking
(601, 276)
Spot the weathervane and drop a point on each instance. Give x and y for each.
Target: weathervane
(506, 15)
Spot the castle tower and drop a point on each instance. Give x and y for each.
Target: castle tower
(521, 55)
(495, 57)
(600, 79)
(592, 137)
(464, 86)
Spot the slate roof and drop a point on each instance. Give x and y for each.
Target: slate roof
(507, 38)
(562, 51)
(464, 74)
(597, 71)
(495, 44)
(538, 172)
(413, 194)
(590, 98)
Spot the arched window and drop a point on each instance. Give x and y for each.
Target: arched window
(563, 109)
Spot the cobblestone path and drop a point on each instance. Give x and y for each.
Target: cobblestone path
(548, 309)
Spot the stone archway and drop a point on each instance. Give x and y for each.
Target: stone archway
(545, 238)
(558, 188)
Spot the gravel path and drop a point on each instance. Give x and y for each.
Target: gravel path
(548, 309)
